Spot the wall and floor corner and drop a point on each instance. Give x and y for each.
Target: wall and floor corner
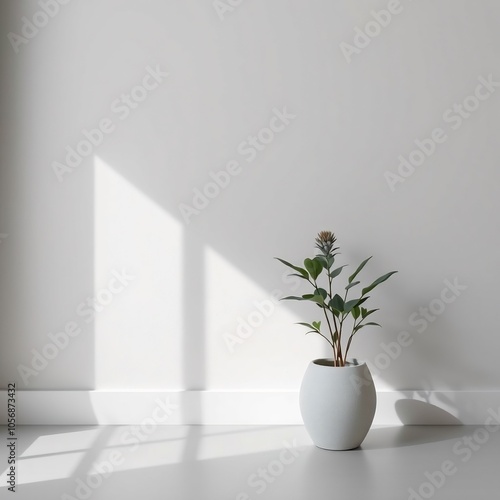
(156, 155)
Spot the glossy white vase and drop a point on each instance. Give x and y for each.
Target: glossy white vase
(337, 403)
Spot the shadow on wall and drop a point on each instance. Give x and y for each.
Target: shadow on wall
(47, 260)
(414, 412)
(173, 148)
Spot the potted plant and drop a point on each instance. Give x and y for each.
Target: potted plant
(337, 394)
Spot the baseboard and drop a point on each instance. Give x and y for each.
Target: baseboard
(239, 408)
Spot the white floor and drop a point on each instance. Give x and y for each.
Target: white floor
(249, 462)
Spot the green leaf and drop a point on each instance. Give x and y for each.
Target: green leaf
(377, 282)
(365, 313)
(301, 271)
(292, 297)
(318, 264)
(323, 260)
(300, 276)
(306, 324)
(358, 270)
(318, 299)
(314, 267)
(336, 272)
(350, 285)
(309, 265)
(322, 292)
(363, 325)
(313, 331)
(361, 300)
(308, 296)
(350, 304)
(330, 261)
(316, 324)
(356, 312)
(312, 327)
(337, 303)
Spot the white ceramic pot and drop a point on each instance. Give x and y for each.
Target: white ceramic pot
(337, 403)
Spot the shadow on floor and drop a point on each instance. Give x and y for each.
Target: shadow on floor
(409, 435)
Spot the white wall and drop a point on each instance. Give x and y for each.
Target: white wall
(119, 210)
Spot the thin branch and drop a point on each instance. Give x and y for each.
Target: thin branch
(354, 331)
(319, 333)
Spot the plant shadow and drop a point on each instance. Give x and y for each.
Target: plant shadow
(409, 435)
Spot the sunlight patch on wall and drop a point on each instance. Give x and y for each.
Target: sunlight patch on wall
(252, 341)
(138, 287)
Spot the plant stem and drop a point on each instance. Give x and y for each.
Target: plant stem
(351, 336)
(329, 325)
(330, 282)
(315, 284)
(319, 333)
(340, 347)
